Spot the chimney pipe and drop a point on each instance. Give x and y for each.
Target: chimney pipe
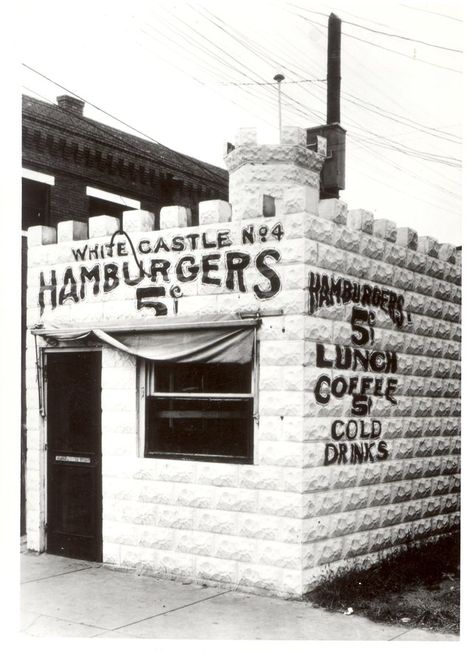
(71, 104)
(333, 69)
(332, 177)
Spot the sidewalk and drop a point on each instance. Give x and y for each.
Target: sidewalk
(69, 598)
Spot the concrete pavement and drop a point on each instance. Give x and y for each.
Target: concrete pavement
(70, 598)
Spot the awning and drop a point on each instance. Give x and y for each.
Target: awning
(215, 342)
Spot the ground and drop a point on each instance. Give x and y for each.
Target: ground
(419, 587)
(61, 597)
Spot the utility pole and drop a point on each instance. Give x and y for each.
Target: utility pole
(279, 78)
(333, 69)
(332, 177)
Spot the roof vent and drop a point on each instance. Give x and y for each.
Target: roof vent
(71, 104)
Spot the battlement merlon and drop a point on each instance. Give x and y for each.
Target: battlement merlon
(292, 150)
(273, 169)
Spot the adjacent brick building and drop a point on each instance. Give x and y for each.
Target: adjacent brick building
(249, 401)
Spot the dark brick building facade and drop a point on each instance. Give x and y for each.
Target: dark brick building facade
(79, 153)
(75, 168)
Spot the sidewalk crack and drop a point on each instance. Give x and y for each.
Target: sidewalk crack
(404, 632)
(69, 621)
(64, 573)
(181, 607)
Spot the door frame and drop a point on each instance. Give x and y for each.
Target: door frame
(46, 351)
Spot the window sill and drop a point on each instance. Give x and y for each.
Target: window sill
(232, 460)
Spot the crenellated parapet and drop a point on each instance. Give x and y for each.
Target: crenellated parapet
(292, 150)
(331, 222)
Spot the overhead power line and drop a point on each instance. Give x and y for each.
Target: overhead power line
(389, 34)
(403, 189)
(202, 53)
(295, 81)
(434, 13)
(384, 142)
(213, 87)
(430, 131)
(419, 155)
(382, 47)
(403, 38)
(384, 113)
(403, 54)
(265, 55)
(302, 109)
(256, 48)
(380, 111)
(214, 20)
(388, 113)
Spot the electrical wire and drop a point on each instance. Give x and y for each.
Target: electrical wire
(419, 155)
(252, 74)
(411, 151)
(404, 38)
(296, 81)
(387, 114)
(382, 47)
(382, 181)
(203, 50)
(390, 144)
(188, 74)
(403, 54)
(381, 156)
(421, 179)
(355, 64)
(202, 65)
(389, 34)
(228, 33)
(436, 186)
(384, 113)
(434, 13)
(343, 11)
(392, 165)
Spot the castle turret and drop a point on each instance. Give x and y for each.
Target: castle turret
(287, 172)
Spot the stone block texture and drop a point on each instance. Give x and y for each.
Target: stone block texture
(275, 526)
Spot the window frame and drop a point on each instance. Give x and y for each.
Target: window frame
(146, 384)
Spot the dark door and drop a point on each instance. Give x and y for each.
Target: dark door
(74, 519)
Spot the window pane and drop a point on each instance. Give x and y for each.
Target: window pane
(228, 377)
(203, 377)
(98, 206)
(200, 427)
(35, 201)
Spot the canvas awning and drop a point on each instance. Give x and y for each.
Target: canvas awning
(183, 342)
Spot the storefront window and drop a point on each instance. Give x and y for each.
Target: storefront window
(200, 411)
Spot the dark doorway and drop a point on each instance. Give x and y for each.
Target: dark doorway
(74, 521)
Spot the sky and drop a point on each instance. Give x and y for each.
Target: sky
(189, 74)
